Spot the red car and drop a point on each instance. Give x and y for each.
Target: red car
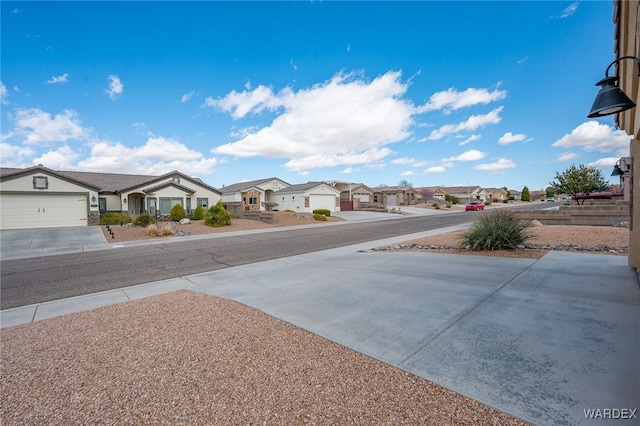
(474, 206)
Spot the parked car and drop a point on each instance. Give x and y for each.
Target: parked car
(551, 200)
(474, 206)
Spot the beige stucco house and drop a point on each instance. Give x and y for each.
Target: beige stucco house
(251, 195)
(38, 197)
(626, 18)
(390, 196)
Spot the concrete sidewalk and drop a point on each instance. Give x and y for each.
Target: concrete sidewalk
(543, 339)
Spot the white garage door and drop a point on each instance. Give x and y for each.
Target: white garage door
(19, 211)
(322, 202)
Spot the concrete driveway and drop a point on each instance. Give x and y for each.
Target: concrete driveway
(19, 243)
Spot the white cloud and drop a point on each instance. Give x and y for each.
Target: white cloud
(435, 169)
(187, 96)
(303, 165)
(116, 87)
(345, 120)
(451, 100)
(4, 95)
(409, 161)
(38, 127)
(568, 11)
(593, 136)
(157, 156)
(567, 156)
(348, 171)
(470, 139)
(408, 173)
(61, 79)
(604, 162)
(472, 123)
(62, 158)
(509, 137)
(471, 155)
(496, 167)
(15, 156)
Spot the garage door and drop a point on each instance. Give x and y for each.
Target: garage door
(322, 202)
(19, 211)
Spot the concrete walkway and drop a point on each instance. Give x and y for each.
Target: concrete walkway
(543, 339)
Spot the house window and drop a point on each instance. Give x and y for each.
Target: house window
(253, 200)
(40, 182)
(203, 202)
(167, 203)
(102, 204)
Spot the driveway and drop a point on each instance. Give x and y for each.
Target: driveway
(38, 241)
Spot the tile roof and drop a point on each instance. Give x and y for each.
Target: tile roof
(302, 187)
(241, 186)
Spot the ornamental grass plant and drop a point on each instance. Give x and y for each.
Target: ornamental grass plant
(496, 230)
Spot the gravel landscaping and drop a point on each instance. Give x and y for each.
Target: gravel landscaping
(192, 359)
(188, 358)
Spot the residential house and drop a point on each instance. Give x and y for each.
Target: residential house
(466, 194)
(352, 194)
(626, 18)
(252, 195)
(307, 197)
(497, 195)
(38, 197)
(390, 196)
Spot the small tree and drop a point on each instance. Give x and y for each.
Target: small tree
(526, 195)
(177, 213)
(426, 193)
(217, 216)
(549, 192)
(405, 184)
(198, 213)
(269, 205)
(579, 180)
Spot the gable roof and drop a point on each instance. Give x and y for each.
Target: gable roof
(302, 187)
(103, 182)
(242, 186)
(7, 173)
(394, 189)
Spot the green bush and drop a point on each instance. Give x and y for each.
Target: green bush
(320, 217)
(497, 230)
(217, 216)
(452, 199)
(144, 220)
(177, 213)
(114, 218)
(198, 213)
(324, 212)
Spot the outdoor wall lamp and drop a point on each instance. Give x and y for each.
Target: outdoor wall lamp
(124, 200)
(93, 198)
(621, 167)
(610, 98)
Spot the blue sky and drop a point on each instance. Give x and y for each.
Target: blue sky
(435, 93)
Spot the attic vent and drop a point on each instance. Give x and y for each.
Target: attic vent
(40, 182)
(176, 179)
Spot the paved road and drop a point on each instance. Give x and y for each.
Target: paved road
(28, 281)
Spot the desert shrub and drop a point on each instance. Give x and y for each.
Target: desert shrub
(144, 220)
(289, 211)
(435, 205)
(452, 199)
(324, 212)
(320, 217)
(499, 229)
(198, 213)
(114, 218)
(217, 216)
(177, 213)
(487, 203)
(154, 231)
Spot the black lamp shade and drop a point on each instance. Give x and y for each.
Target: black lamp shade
(617, 171)
(610, 99)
